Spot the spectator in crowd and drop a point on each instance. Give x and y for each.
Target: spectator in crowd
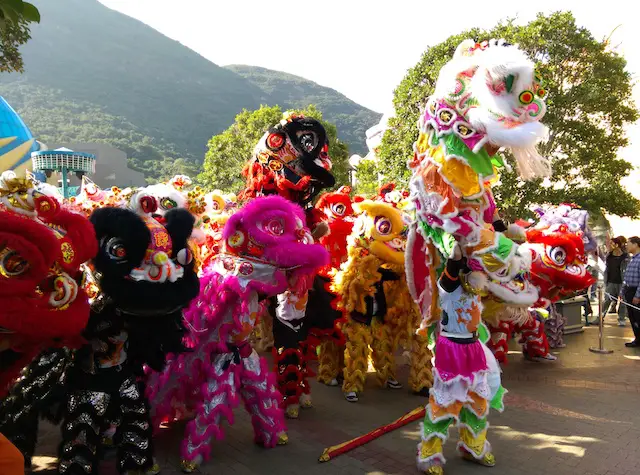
(631, 289)
(616, 264)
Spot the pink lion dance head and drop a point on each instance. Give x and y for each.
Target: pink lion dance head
(271, 231)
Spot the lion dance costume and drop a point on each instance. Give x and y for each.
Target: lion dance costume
(140, 279)
(373, 293)
(487, 97)
(42, 302)
(337, 211)
(292, 160)
(558, 269)
(265, 248)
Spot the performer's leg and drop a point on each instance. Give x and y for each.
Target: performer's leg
(133, 437)
(11, 460)
(264, 332)
(356, 353)
(219, 398)
(329, 366)
(384, 360)
(555, 328)
(499, 342)
(420, 375)
(434, 431)
(534, 341)
(290, 366)
(263, 401)
(473, 443)
(81, 428)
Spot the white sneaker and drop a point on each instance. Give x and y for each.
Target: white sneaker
(393, 384)
(622, 324)
(351, 396)
(548, 358)
(333, 382)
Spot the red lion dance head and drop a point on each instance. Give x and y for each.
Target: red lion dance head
(559, 264)
(337, 211)
(42, 246)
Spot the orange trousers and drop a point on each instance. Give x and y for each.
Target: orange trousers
(11, 460)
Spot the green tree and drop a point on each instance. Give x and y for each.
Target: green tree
(589, 104)
(229, 151)
(170, 167)
(15, 16)
(367, 177)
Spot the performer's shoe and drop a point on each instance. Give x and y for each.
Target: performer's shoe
(334, 382)
(424, 392)
(283, 438)
(434, 470)
(632, 344)
(488, 460)
(548, 358)
(189, 466)
(293, 411)
(351, 396)
(393, 384)
(305, 401)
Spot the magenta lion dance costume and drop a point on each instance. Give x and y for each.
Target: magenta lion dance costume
(266, 250)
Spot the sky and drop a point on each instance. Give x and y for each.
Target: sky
(363, 48)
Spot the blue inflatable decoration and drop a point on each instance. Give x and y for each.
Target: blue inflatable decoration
(16, 141)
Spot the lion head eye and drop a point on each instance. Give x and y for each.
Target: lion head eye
(383, 225)
(558, 255)
(116, 249)
(168, 203)
(275, 227)
(339, 209)
(12, 264)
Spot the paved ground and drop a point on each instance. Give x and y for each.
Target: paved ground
(579, 415)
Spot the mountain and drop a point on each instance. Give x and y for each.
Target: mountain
(91, 72)
(294, 92)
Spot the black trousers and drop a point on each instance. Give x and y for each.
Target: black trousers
(634, 314)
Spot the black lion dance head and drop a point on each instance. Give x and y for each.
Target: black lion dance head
(145, 275)
(143, 267)
(290, 160)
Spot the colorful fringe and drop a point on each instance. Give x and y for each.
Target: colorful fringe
(420, 372)
(554, 328)
(229, 382)
(533, 339)
(292, 371)
(360, 338)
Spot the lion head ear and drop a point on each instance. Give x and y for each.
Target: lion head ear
(180, 226)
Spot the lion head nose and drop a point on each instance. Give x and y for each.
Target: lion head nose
(160, 258)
